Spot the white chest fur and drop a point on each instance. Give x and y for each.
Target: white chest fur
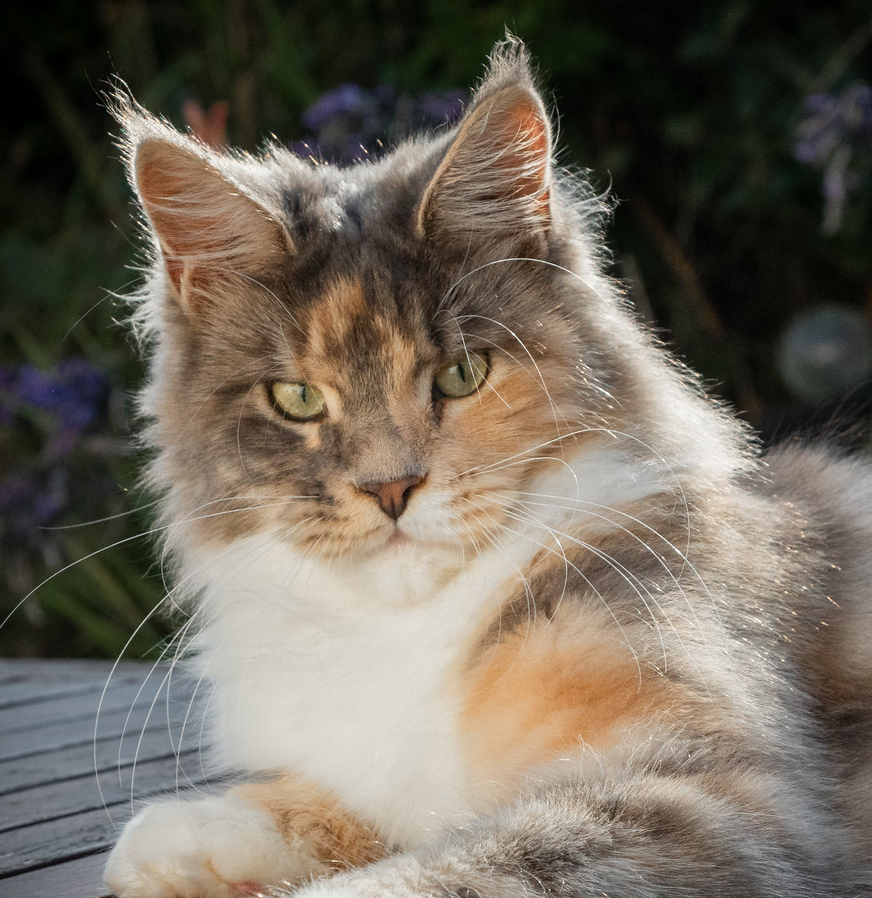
(349, 676)
(352, 694)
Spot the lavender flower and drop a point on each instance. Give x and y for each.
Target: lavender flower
(351, 121)
(31, 500)
(73, 393)
(55, 407)
(836, 137)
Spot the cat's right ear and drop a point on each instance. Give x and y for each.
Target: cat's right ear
(210, 233)
(494, 181)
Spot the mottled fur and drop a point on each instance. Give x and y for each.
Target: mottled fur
(605, 649)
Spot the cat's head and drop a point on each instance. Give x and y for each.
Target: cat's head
(351, 359)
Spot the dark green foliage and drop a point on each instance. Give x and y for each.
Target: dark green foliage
(691, 114)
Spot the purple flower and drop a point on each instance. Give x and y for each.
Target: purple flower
(350, 120)
(73, 391)
(835, 120)
(8, 378)
(347, 99)
(46, 412)
(72, 395)
(31, 500)
(820, 132)
(441, 107)
(833, 137)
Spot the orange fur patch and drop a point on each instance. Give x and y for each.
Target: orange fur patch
(545, 692)
(311, 819)
(331, 321)
(342, 303)
(343, 313)
(514, 419)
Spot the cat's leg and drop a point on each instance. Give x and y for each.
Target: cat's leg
(650, 837)
(252, 837)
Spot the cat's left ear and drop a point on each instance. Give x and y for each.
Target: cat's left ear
(495, 179)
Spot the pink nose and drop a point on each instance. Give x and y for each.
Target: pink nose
(392, 495)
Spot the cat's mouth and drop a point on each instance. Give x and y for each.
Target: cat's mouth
(395, 541)
(397, 544)
(360, 546)
(358, 534)
(398, 539)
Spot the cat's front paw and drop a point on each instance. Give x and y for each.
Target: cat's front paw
(219, 847)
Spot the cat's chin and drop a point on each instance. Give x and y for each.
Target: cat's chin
(389, 569)
(396, 541)
(399, 541)
(399, 545)
(406, 571)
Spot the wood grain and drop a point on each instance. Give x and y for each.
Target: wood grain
(81, 743)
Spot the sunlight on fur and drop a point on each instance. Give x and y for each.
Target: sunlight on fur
(486, 596)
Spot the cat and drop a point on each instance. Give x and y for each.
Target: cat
(490, 598)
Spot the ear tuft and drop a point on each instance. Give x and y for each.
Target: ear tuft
(209, 231)
(495, 179)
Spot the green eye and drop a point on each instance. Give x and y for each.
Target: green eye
(302, 402)
(462, 377)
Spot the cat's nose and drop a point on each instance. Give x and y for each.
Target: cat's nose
(392, 495)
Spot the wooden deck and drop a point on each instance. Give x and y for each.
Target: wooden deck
(77, 749)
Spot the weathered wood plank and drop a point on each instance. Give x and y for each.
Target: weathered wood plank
(73, 796)
(56, 817)
(79, 706)
(109, 725)
(43, 670)
(53, 841)
(80, 878)
(101, 756)
(31, 680)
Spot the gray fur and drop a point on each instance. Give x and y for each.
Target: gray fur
(749, 578)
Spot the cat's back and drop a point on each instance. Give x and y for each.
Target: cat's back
(822, 526)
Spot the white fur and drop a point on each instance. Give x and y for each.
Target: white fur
(197, 848)
(345, 672)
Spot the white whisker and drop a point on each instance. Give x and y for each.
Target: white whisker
(558, 550)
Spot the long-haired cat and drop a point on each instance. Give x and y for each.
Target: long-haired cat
(490, 599)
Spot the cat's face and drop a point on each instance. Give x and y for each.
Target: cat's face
(357, 361)
(313, 411)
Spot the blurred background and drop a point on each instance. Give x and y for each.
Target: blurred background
(736, 136)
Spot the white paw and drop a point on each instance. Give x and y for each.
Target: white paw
(216, 847)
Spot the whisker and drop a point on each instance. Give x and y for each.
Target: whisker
(523, 346)
(502, 261)
(104, 520)
(491, 537)
(530, 538)
(286, 312)
(489, 384)
(177, 642)
(682, 555)
(109, 294)
(622, 571)
(634, 582)
(497, 465)
(193, 422)
(177, 638)
(112, 670)
(667, 468)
